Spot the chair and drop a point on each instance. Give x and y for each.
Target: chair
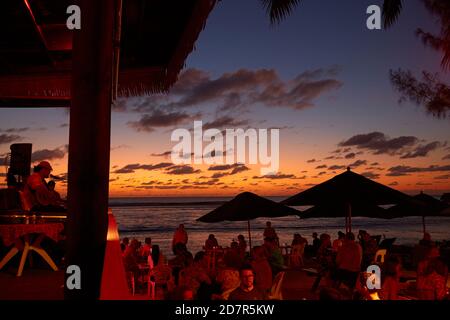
(275, 291)
(379, 256)
(26, 203)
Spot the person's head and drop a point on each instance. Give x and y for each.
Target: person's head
(247, 276)
(314, 235)
(181, 226)
(134, 244)
(126, 241)
(268, 224)
(51, 185)
(148, 241)
(350, 236)
(241, 237)
(341, 235)
(211, 237)
(43, 168)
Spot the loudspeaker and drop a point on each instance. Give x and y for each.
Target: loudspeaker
(20, 159)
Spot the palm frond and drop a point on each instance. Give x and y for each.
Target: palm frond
(391, 11)
(278, 10)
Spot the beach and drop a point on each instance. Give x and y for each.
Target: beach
(159, 217)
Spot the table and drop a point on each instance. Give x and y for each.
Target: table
(11, 234)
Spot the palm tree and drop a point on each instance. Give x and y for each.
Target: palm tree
(278, 10)
(429, 92)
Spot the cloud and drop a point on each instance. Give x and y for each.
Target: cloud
(406, 170)
(447, 157)
(324, 166)
(371, 175)
(375, 164)
(63, 125)
(61, 177)
(8, 138)
(422, 150)
(336, 167)
(131, 168)
(239, 169)
(393, 184)
(358, 163)
(224, 167)
(181, 169)
(240, 89)
(46, 154)
(443, 177)
(158, 119)
(330, 158)
(224, 122)
(350, 156)
(311, 161)
(15, 130)
(277, 176)
(379, 143)
(165, 154)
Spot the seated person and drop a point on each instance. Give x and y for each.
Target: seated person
(211, 242)
(391, 279)
(36, 191)
(269, 232)
(55, 198)
(246, 290)
(348, 262)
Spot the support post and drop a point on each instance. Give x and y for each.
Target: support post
(89, 145)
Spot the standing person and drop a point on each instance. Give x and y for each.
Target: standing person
(180, 236)
(263, 271)
(246, 290)
(211, 242)
(242, 245)
(337, 243)
(315, 244)
(348, 262)
(270, 233)
(146, 249)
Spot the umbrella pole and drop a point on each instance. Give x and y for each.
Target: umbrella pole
(349, 217)
(423, 224)
(249, 236)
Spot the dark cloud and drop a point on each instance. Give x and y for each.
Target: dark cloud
(393, 184)
(330, 158)
(379, 143)
(224, 167)
(375, 164)
(224, 122)
(8, 138)
(406, 170)
(122, 146)
(239, 169)
(321, 173)
(358, 163)
(61, 177)
(240, 89)
(15, 130)
(165, 154)
(46, 154)
(131, 168)
(277, 176)
(181, 169)
(158, 119)
(311, 161)
(443, 177)
(336, 167)
(63, 125)
(371, 175)
(324, 166)
(422, 150)
(447, 157)
(350, 156)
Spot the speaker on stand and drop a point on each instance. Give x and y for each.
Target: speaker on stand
(20, 162)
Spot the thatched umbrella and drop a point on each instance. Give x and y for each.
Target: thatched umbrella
(247, 206)
(346, 191)
(425, 206)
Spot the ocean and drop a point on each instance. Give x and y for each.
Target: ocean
(159, 217)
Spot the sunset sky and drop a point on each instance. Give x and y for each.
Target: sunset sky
(320, 76)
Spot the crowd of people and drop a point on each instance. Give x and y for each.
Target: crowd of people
(239, 273)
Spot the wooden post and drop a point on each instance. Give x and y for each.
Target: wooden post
(89, 145)
(423, 225)
(249, 236)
